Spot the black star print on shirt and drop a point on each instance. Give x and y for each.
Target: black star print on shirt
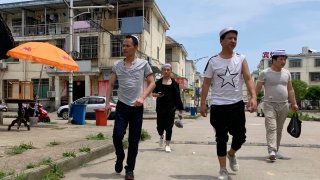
(227, 78)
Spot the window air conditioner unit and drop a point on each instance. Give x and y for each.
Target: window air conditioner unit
(51, 94)
(3, 65)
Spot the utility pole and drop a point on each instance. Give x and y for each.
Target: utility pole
(71, 33)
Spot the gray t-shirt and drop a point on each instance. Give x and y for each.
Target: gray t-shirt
(275, 85)
(131, 80)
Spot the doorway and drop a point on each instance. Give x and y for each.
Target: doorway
(78, 89)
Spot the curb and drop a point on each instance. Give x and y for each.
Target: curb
(66, 164)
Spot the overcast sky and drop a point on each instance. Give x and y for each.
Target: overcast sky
(263, 25)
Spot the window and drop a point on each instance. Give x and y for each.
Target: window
(115, 89)
(82, 101)
(168, 55)
(316, 62)
(60, 43)
(315, 76)
(269, 63)
(295, 75)
(7, 88)
(88, 47)
(116, 46)
(44, 87)
(294, 63)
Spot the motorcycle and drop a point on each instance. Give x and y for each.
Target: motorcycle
(43, 114)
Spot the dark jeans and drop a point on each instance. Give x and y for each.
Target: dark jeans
(165, 122)
(127, 115)
(228, 119)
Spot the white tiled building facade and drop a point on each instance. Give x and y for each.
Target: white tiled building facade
(304, 66)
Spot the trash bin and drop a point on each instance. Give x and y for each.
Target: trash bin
(192, 111)
(101, 117)
(78, 112)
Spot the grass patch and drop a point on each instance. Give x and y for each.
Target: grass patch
(53, 143)
(69, 154)
(2, 174)
(46, 161)
(84, 149)
(98, 136)
(59, 128)
(55, 173)
(125, 144)
(144, 135)
(20, 176)
(20, 149)
(30, 166)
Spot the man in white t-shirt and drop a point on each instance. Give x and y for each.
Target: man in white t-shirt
(225, 73)
(277, 87)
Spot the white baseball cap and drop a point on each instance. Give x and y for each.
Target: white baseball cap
(226, 30)
(279, 52)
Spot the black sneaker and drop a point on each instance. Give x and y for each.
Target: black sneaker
(118, 166)
(129, 175)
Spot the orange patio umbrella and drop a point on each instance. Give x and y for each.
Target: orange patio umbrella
(44, 53)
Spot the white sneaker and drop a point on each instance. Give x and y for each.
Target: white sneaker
(161, 142)
(234, 166)
(272, 156)
(167, 149)
(223, 174)
(279, 155)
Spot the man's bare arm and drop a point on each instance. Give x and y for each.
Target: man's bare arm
(250, 86)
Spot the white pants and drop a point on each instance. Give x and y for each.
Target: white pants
(275, 116)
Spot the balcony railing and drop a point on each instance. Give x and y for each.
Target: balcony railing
(54, 28)
(63, 28)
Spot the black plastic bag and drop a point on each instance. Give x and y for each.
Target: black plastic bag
(294, 126)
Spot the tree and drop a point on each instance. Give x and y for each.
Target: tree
(300, 89)
(313, 93)
(260, 96)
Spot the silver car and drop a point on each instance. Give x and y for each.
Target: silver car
(260, 109)
(92, 103)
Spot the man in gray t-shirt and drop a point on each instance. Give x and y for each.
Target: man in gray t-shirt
(277, 89)
(131, 73)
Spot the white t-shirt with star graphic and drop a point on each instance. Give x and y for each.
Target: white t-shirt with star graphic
(227, 79)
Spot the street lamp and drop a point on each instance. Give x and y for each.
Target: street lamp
(71, 17)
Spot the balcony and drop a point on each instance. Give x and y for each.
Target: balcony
(55, 28)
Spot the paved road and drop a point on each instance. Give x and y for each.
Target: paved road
(193, 155)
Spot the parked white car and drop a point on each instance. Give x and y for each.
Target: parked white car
(92, 103)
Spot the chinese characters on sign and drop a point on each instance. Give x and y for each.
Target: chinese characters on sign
(266, 55)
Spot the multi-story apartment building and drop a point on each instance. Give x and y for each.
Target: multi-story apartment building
(304, 66)
(176, 56)
(97, 42)
(191, 71)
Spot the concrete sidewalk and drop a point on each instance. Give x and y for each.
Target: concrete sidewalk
(193, 155)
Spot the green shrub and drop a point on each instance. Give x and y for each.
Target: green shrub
(69, 154)
(55, 173)
(20, 149)
(144, 135)
(84, 149)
